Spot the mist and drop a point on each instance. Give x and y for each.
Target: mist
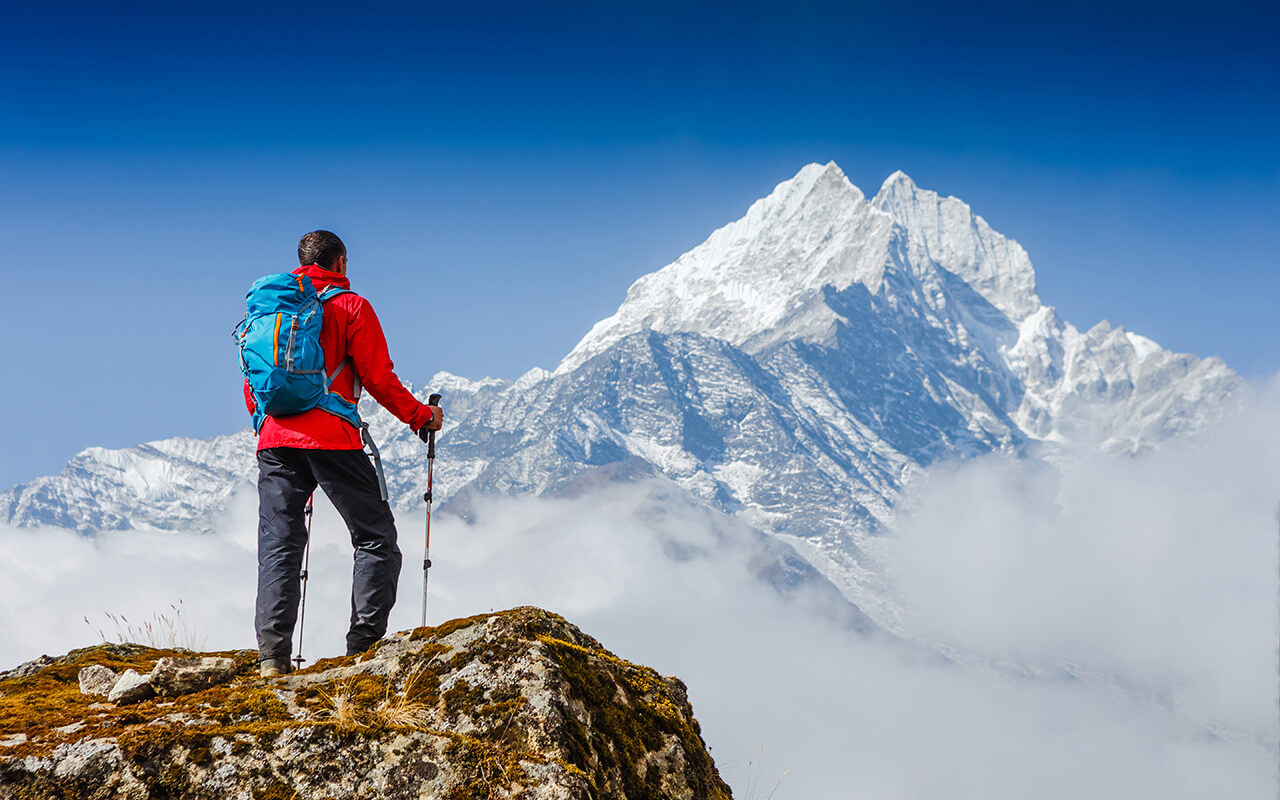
(1110, 623)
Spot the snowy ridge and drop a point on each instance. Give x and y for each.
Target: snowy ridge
(168, 485)
(1109, 385)
(794, 369)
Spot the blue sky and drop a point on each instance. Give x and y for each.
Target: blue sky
(502, 173)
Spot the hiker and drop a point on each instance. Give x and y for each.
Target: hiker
(322, 447)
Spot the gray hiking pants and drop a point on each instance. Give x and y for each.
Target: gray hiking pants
(287, 476)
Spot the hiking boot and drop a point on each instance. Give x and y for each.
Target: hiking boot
(274, 667)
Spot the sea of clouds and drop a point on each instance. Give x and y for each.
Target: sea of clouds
(1110, 625)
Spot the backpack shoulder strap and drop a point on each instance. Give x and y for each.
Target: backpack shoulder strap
(330, 292)
(325, 294)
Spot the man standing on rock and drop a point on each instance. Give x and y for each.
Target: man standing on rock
(322, 447)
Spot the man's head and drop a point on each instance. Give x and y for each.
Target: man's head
(324, 249)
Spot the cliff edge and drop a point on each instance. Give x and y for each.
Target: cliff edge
(515, 704)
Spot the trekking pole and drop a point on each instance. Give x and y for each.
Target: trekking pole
(433, 400)
(306, 561)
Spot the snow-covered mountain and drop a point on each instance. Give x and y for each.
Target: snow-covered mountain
(795, 368)
(168, 485)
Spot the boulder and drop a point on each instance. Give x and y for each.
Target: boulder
(176, 675)
(97, 680)
(131, 687)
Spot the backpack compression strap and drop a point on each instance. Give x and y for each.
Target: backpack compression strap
(357, 388)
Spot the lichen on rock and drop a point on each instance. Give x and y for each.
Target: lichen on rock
(516, 704)
(98, 680)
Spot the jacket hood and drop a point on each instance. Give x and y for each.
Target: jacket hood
(321, 277)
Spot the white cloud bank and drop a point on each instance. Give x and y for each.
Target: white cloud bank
(1157, 575)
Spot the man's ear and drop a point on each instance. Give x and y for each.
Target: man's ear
(340, 266)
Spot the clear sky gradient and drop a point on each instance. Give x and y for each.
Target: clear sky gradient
(501, 173)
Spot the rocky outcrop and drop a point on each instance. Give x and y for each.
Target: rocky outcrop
(517, 704)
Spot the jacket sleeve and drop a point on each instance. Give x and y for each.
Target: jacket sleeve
(248, 398)
(367, 347)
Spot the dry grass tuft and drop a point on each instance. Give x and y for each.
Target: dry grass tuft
(166, 630)
(396, 710)
(350, 707)
(753, 779)
(342, 708)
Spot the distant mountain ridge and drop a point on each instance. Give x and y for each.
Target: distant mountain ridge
(796, 368)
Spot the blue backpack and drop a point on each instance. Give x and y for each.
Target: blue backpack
(280, 353)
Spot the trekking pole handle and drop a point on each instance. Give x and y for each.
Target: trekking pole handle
(433, 400)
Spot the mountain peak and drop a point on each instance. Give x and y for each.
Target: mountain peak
(814, 184)
(945, 231)
(899, 180)
(757, 281)
(813, 171)
(813, 230)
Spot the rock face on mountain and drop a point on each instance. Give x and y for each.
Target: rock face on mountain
(796, 369)
(518, 704)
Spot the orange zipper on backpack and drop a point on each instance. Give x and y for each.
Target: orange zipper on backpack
(276, 353)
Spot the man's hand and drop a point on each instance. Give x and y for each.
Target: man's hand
(437, 420)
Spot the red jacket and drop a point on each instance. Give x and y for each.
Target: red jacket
(350, 328)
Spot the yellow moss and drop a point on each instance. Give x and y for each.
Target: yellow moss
(328, 663)
(573, 769)
(502, 709)
(50, 698)
(486, 769)
(461, 698)
(430, 650)
(445, 628)
(276, 791)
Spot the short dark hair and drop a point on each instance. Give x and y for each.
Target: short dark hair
(322, 248)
